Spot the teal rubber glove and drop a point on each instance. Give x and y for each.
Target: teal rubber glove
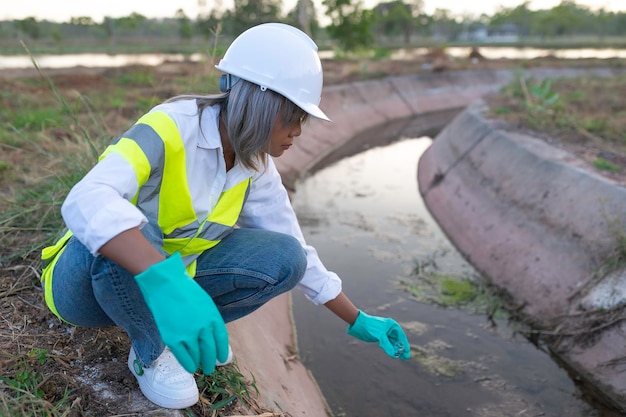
(186, 316)
(387, 332)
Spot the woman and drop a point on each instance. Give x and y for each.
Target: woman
(189, 191)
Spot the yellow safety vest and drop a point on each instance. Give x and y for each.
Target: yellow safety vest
(155, 150)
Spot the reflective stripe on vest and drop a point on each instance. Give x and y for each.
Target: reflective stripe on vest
(49, 257)
(166, 197)
(155, 150)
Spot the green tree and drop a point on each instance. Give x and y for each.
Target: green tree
(185, 28)
(79, 27)
(423, 24)
(619, 24)
(132, 22)
(563, 19)
(207, 25)
(396, 18)
(444, 25)
(351, 25)
(108, 25)
(248, 13)
(28, 26)
(603, 23)
(82, 21)
(56, 34)
(304, 16)
(521, 16)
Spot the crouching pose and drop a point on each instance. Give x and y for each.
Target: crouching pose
(184, 224)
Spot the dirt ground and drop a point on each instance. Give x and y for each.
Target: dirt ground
(47, 356)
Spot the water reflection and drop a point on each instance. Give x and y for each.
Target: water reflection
(491, 52)
(366, 219)
(94, 60)
(119, 60)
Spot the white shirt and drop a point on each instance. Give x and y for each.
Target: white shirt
(98, 207)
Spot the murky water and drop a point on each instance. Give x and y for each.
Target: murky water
(366, 219)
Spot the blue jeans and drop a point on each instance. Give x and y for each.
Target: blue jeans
(241, 273)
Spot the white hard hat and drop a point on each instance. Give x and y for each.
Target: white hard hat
(279, 57)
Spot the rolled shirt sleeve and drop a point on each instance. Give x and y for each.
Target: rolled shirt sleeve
(98, 207)
(268, 207)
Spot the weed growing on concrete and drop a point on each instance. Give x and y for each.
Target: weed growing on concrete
(603, 164)
(617, 259)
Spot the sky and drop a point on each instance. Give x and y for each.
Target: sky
(63, 10)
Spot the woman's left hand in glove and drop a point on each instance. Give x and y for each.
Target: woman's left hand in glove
(386, 331)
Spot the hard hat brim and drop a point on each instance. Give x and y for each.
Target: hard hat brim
(314, 111)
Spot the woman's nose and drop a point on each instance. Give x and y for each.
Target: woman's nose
(296, 130)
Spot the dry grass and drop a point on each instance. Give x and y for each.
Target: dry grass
(585, 116)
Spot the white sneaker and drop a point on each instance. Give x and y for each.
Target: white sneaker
(166, 383)
(229, 359)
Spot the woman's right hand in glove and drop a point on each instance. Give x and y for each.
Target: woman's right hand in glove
(186, 316)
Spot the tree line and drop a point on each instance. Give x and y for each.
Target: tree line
(349, 24)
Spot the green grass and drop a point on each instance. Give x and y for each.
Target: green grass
(37, 118)
(502, 110)
(617, 259)
(21, 393)
(223, 388)
(580, 110)
(136, 78)
(26, 377)
(605, 165)
(426, 284)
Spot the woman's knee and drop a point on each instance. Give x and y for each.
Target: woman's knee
(72, 292)
(295, 260)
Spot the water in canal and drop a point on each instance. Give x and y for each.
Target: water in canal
(369, 224)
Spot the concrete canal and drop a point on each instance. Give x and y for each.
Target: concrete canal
(367, 220)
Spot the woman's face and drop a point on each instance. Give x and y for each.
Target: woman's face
(282, 136)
